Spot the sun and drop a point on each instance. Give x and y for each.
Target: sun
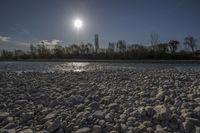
(78, 23)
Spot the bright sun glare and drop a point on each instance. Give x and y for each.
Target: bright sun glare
(78, 23)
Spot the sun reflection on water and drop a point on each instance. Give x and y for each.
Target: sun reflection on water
(73, 66)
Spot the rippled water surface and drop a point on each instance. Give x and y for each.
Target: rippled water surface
(88, 66)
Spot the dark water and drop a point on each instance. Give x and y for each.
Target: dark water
(89, 66)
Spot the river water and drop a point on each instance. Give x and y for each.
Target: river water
(18, 66)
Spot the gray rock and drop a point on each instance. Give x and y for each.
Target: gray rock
(26, 131)
(109, 117)
(3, 115)
(44, 131)
(113, 131)
(97, 129)
(7, 131)
(80, 107)
(27, 116)
(52, 126)
(50, 116)
(189, 125)
(83, 130)
(150, 111)
(162, 113)
(9, 126)
(123, 128)
(113, 106)
(99, 114)
(94, 105)
(197, 111)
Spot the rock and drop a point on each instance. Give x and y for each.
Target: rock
(69, 127)
(44, 131)
(94, 105)
(197, 129)
(27, 116)
(9, 126)
(161, 95)
(197, 111)
(189, 124)
(113, 131)
(26, 131)
(52, 126)
(3, 115)
(80, 107)
(97, 129)
(159, 129)
(7, 131)
(113, 106)
(83, 130)
(150, 111)
(101, 123)
(123, 128)
(109, 117)
(162, 113)
(106, 99)
(50, 116)
(142, 112)
(99, 114)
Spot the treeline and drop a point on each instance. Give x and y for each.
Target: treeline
(118, 50)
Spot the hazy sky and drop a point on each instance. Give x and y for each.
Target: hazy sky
(25, 21)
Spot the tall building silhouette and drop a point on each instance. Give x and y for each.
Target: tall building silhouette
(96, 42)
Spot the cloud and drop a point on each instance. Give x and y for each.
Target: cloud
(4, 39)
(52, 42)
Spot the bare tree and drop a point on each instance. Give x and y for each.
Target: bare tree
(173, 45)
(190, 42)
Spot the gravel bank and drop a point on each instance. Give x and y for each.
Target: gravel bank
(119, 101)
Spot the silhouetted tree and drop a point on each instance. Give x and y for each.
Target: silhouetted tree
(190, 42)
(173, 46)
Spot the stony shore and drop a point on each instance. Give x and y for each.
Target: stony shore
(118, 101)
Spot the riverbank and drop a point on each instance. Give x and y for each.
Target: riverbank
(115, 101)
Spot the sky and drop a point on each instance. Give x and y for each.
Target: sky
(23, 22)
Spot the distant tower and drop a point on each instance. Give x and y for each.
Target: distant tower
(96, 42)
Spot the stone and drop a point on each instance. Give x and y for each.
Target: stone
(26, 131)
(83, 130)
(27, 116)
(123, 128)
(50, 116)
(150, 111)
(159, 129)
(160, 96)
(189, 124)
(7, 131)
(3, 115)
(94, 105)
(43, 131)
(197, 111)
(99, 114)
(109, 117)
(97, 129)
(9, 126)
(113, 131)
(52, 126)
(113, 106)
(162, 113)
(80, 107)
(106, 100)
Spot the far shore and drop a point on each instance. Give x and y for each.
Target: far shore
(102, 61)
